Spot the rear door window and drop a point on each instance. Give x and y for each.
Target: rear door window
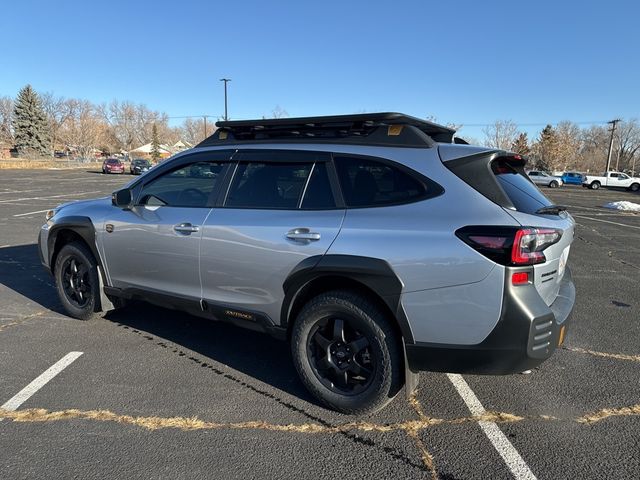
(268, 185)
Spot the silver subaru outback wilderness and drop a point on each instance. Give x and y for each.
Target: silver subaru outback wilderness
(377, 245)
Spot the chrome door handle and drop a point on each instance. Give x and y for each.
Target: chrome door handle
(186, 228)
(303, 234)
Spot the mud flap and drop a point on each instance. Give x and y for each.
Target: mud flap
(411, 378)
(105, 303)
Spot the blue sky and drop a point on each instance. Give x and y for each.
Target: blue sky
(462, 62)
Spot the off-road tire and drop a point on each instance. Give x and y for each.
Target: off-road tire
(365, 319)
(83, 258)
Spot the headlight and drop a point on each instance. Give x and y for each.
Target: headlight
(49, 215)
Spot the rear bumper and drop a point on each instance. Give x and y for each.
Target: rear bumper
(527, 333)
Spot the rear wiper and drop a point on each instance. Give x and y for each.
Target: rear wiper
(551, 210)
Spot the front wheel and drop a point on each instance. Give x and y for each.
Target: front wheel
(635, 187)
(347, 353)
(595, 185)
(76, 276)
(553, 184)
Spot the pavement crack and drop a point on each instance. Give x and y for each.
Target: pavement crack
(22, 320)
(413, 432)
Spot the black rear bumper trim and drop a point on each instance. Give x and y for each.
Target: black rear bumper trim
(525, 336)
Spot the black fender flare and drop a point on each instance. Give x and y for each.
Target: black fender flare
(80, 225)
(374, 273)
(84, 228)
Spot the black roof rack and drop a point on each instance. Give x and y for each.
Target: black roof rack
(384, 129)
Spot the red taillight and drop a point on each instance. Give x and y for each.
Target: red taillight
(510, 245)
(489, 242)
(520, 278)
(529, 243)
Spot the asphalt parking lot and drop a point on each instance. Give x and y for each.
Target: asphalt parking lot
(151, 393)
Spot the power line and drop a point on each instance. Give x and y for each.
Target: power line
(544, 124)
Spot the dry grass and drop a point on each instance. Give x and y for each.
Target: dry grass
(617, 356)
(24, 164)
(609, 412)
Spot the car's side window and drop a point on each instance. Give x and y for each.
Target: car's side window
(192, 185)
(368, 182)
(318, 194)
(277, 185)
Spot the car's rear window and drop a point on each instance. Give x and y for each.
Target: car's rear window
(524, 195)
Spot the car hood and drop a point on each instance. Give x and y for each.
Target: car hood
(84, 204)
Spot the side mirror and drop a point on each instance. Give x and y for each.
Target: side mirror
(122, 198)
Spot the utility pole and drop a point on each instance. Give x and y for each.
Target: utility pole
(613, 129)
(225, 80)
(205, 126)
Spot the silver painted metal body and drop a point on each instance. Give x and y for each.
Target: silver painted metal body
(240, 258)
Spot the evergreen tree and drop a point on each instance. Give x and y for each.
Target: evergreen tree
(521, 144)
(30, 126)
(155, 144)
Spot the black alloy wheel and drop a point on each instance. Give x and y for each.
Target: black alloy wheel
(347, 352)
(76, 281)
(76, 274)
(340, 356)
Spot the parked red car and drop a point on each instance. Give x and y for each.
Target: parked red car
(112, 165)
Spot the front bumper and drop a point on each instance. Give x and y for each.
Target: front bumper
(527, 334)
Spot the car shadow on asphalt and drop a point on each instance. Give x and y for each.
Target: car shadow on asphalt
(22, 272)
(255, 354)
(252, 353)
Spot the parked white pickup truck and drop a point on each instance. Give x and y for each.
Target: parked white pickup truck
(612, 179)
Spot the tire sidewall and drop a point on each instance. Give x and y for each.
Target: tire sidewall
(595, 186)
(80, 252)
(383, 386)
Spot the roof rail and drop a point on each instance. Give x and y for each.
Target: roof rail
(383, 129)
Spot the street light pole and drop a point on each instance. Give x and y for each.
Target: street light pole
(225, 80)
(613, 129)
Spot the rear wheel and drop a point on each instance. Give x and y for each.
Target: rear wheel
(76, 276)
(595, 185)
(347, 353)
(553, 184)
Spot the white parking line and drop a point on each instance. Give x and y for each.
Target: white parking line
(503, 446)
(607, 221)
(23, 395)
(49, 197)
(31, 213)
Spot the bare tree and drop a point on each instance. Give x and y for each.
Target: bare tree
(628, 143)
(121, 117)
(85, 128)
(568, 145)
(193, 130)
(279, 112)
(501, 134)
(58, 111)
(6, 118)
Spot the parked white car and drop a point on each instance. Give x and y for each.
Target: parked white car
(612, 179)
(543, 178)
